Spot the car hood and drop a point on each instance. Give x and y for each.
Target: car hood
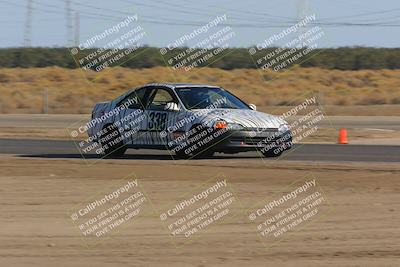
(246, 117)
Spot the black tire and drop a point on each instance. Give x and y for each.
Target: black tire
(114, 146)
(201, 155)
(203, 150)
(194, 147)
(205, 154)
(182, 155)
(270, 153)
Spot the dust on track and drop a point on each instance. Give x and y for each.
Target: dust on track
(362, 228)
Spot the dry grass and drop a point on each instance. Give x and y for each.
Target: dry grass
(73, 91)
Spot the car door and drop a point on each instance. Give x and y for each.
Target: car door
(131, 118)
(158, 118)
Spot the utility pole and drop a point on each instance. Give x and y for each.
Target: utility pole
(302, 6)
(46, 101)
(28, 24)
(301, 9)
(77, 28)
(69, 26)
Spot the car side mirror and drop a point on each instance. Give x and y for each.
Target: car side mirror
(253, 107)
(171, 106)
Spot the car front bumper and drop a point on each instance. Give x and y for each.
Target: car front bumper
(241, 141)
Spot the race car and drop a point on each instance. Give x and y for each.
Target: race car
(188, 120)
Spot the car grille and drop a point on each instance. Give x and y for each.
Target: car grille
(261, 130)
(261, 140)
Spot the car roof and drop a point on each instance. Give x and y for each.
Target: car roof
(169, 85)
(181, 85)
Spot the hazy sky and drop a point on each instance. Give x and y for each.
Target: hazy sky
(377, 22)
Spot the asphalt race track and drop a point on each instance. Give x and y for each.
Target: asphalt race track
(66, 120)
(303, 152)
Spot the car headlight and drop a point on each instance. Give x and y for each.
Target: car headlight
(235, 126)
(221, 124)
(283, 128)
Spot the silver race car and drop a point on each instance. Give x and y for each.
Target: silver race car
(189, 120)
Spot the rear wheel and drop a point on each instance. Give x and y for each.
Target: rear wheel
(112, 143)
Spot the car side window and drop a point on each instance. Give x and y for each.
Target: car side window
(160, 99)
(135, 100)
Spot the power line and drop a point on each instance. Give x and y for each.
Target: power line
(271, 24)
(301, 10)
(28, 24)
(49, 11)
(357, 20)
(363, 14)
(68, 17)
(184, 10)
(77, 29)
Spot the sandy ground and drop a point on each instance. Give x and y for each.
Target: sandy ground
(360, 228)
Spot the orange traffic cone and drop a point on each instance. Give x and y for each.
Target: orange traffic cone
(342, 136)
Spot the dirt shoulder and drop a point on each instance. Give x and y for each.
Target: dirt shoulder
(359, 230)
(361, 129)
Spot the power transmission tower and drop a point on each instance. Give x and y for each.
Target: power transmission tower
(77, 28)
(69, 23)
(28, 24)
(302, 6)
(301, 9)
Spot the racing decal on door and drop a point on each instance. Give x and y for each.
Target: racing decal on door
(157, 121)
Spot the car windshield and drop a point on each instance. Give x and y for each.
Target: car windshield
(209, 98)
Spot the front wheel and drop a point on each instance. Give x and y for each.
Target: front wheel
(182, 154)
(199, 143)
(272, 153)
(112, 142)
(205, 154)
(199, 155)
(203, 140)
